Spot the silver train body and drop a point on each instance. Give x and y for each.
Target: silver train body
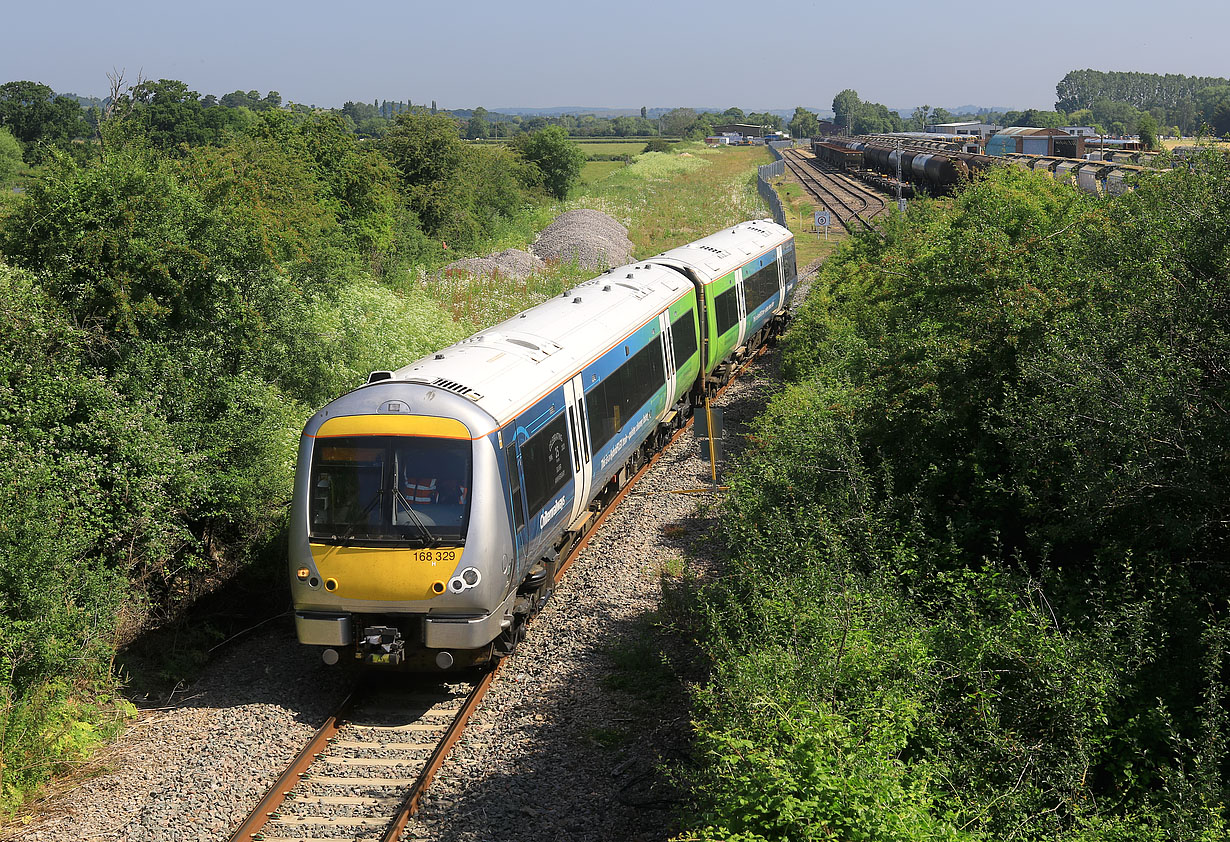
(431, 504)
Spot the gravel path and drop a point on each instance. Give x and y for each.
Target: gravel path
(566, 746)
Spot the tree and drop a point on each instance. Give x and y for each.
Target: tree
(1147, 128)
(920, 118)
(428, 153)
(10, 156)
(804, 123)
(846, 106)
(35, 115)
(1109, 113)
(678, 121)
(556, 157)
(477, 127)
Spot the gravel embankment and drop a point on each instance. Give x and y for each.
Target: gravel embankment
(591, 238)
(557, 751)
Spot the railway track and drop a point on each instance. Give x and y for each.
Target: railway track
(363, 773)
(854, 205)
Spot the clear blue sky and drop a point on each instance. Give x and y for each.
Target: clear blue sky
(627, 53)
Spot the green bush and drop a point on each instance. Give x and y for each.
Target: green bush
(998, 476)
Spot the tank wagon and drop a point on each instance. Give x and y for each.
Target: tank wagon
(938, 170)
(942, 171)
(432, 503)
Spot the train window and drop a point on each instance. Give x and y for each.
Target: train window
(612, 401)
(726, 311)
(514, 482)
(760, 286)
(788, 265)
(544, 458)
(683, 338)
(389, 489)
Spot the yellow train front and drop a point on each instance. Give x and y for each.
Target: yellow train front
(388, 568)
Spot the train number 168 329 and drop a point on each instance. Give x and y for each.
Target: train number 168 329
(435, 556)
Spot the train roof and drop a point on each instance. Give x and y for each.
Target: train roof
(508, 366)
(502, 370)
(721, 253)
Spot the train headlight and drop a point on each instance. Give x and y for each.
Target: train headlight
(468, 578)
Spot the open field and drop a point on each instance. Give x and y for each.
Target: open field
(665, 199)
(1191, 141)
(595, 171)
(670, 198)
(612, 147)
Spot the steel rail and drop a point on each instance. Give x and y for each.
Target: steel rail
(846, 183)
(274, 798)
(268, 806)
(852, 184)
(410, 805)
(817, 188)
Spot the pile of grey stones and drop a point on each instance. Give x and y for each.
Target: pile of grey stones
(590, 238)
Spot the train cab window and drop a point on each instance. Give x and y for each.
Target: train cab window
(726, 311)
(683, 338)
(544, 458)
(612, 401)
(383, 490)
(789, 268)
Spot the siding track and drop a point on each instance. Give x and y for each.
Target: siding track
(854, 204)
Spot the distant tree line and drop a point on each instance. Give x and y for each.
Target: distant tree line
(1188, 102)
(40, 119)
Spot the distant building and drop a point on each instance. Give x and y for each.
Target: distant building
(965, 127)
(1079, 131)
(1027, 140)
(742, 129)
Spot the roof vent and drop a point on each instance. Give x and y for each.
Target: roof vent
(377, 376)
(629, 275)
(457, 389)
(606, 288)
(439, 356)
(576, 300)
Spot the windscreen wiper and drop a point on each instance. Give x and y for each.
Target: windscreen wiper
(360, 520)
(418, 521)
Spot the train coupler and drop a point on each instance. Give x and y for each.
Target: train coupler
(382, 645)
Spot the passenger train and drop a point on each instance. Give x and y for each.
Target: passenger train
(432, 505)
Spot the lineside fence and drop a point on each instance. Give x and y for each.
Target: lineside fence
(767, 171)
(763, 174)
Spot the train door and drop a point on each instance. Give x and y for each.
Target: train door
(668, 348)
(742, 304)
(512, 462)
(578, 442)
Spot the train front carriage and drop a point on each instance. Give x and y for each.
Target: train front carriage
(430, 503)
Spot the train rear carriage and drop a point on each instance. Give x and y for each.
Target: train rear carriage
(747, 274)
